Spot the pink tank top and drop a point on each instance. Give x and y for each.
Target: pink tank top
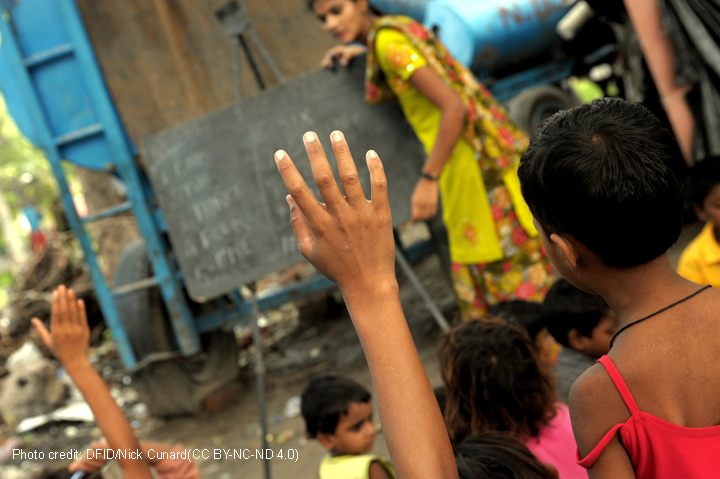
(659, 449)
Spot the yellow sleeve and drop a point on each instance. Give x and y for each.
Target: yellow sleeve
(689, 267)
(396, 54)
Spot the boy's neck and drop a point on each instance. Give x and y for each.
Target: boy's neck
(634, 293)
(716, 231)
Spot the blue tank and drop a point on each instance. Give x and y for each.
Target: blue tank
(486, 35)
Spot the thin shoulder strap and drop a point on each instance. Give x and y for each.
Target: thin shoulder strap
(619, 384)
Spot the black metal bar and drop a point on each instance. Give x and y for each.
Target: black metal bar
(251, 61)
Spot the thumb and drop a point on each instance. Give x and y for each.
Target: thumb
(75, 465)
(42, 332)
(301, 228)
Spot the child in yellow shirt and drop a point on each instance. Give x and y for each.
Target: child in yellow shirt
(338, 413)
(700, 261)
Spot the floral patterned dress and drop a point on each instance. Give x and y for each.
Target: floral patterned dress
(496, 251)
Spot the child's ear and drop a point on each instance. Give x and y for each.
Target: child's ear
(567, 249)
(326, 440)
(576, 340)
(700, 213)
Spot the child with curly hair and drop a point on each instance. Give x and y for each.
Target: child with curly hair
(496, 382)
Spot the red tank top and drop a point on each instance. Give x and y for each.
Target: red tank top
(659, 449)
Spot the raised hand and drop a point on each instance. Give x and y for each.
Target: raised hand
(348, 238)
(69, 334)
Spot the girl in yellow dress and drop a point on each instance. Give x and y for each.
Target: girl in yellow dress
(473, 153)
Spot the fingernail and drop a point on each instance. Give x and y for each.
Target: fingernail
(309, 137)
(279, 155)
(289, 200)
(336, 136)
(372, 154)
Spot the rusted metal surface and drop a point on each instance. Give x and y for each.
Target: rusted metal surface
(169, 61)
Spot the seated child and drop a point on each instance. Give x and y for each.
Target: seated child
(528, 315)
(496, 382)
(495, 455)
(68, 339)
(584, 324)
(338, 413)
(700, 261)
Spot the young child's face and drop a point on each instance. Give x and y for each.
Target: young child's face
(598, 344)
(710, 210)
(355, 431)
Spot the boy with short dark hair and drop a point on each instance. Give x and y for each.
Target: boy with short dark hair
(603, 182)
(338, 413)
(584, 324)
(700, 261)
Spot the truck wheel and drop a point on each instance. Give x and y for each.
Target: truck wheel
(176, 386)
(534, 105)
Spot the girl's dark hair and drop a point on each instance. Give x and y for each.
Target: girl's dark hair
(497, 455)
(608, 174)
(495, 381)
(374, 10)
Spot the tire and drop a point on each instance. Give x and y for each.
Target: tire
(532, 106)
(169, 387)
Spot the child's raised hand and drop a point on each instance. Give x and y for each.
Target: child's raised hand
(69, 334)
(348, 238)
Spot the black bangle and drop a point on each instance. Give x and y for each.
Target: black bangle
(428, 176)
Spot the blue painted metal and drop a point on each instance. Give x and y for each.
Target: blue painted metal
(507, 87)
(180, 315)
(487, 34)
(14, 57)
(56, 93)
(122, 207)
(33, 216)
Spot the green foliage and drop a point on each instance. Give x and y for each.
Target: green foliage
(6, 279)
(25, 175)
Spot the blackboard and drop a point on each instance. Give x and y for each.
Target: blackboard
(219, 190)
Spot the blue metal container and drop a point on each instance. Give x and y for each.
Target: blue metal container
(487, 34)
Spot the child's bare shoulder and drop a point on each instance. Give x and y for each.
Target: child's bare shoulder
(595, 407)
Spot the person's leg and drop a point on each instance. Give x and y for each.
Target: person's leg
(469, 290)
(527, 275)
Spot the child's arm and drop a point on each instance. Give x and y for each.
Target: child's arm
(350, 241)
(68, 339)
(377, 471)
(595, 407)
(452, 121)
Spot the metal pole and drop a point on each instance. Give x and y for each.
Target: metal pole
(237, 68)
(251, 61)
(415, 281)
(260, 376)
(266, 55)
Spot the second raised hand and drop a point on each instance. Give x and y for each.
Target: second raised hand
(349, 240)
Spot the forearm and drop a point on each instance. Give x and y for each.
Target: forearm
(452, 123)
(412, 423)
(108, 415)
